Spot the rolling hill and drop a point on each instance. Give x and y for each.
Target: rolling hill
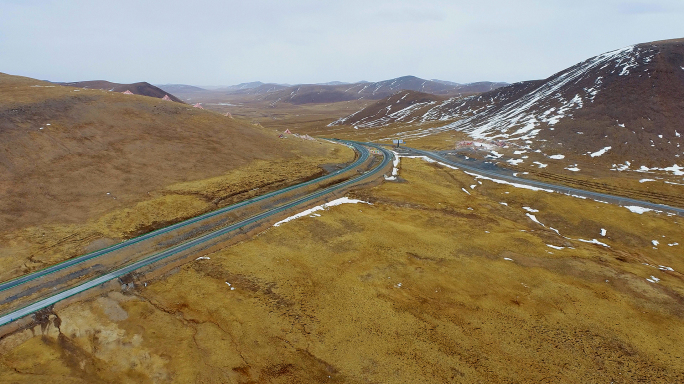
(83, 168)
(62, 149)
(622, 106)
(142, 88)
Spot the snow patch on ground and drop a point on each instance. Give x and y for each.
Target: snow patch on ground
(675, 169)
(395, 168)
(637, 209)
(534, 218)
(508, 182)
(557, 157)
(594, 241)
(395, 163)
(342, 200)
(601, 152)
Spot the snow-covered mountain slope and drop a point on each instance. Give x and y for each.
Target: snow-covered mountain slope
(630, 99)
(394, 108)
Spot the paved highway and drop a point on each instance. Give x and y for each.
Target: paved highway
(363, 156)
(539, 184)
(194, 243)
(208, 238)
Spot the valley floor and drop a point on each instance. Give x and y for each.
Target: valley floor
(441, 278)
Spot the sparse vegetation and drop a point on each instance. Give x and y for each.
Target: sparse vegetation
(436, 275)
(85, 168)
(428, 284)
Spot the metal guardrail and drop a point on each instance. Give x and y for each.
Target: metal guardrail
(188, 245)
(363, 156)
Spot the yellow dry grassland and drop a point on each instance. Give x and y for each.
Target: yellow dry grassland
(443, 277)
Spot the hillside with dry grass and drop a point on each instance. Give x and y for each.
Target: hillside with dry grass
(80, 168)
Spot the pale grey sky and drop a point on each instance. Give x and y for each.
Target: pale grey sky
(212, 42)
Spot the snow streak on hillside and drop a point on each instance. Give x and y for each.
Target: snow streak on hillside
(492, 116)
(385, 116)
(519, 111)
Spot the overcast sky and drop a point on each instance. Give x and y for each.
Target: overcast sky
(213, 42)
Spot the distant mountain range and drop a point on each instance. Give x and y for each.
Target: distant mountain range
(628, 103)
(142, 88)
(180, 88)
(337, 91)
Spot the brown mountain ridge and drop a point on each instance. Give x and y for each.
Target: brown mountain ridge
(141, 88)
(627, 103)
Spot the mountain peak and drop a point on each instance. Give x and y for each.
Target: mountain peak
(628, 99)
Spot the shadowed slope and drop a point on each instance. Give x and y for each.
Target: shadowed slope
(142, 88)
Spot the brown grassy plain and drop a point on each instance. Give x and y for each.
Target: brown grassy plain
(428, 284)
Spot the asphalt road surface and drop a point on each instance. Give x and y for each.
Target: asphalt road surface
(480, 169)
(490, 170)
(188, 245)
(363, 156)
